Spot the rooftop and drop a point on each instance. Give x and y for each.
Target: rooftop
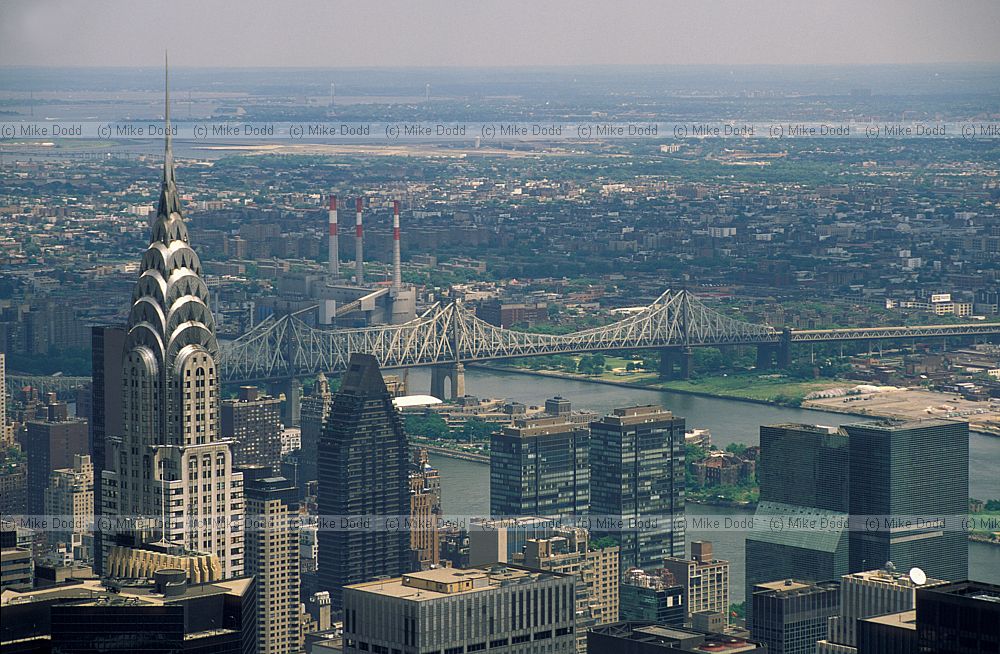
(140, 593)
(439, 583)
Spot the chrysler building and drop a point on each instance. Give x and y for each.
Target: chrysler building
(169, 475)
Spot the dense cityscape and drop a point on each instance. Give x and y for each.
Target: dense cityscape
(386, 359)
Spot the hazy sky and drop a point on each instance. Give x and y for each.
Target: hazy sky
(325, 33)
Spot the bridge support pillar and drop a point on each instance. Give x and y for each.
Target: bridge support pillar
(454, 374)
(676, 363)
(785, 349)
(765, 356)
(686, 359)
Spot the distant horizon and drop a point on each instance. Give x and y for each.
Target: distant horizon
(495, 33)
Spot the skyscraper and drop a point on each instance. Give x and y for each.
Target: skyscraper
(910, 470)
(803, 471)
(958, 618)
(107, 345)
(790, 616)
(540, 466)
(272, 557)
(705, 580)
(169, 464)
(363, 472)
(637, 480)
(252, 422)
(70, 496)
(315, 408)
(53, 439)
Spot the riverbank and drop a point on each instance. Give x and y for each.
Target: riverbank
(441, 450)
(877, 405)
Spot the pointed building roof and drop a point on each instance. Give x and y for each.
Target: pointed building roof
(363, 377)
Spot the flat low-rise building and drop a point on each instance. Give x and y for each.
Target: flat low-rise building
(501, 609)
(650, 638)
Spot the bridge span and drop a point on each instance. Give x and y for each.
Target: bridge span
(448, 336)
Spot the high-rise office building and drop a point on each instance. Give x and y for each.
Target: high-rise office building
(315, 408)
(791, 616)
(272, 557)
(803, 472)
(909, 470)
(637, 481)
(169, 468)
(504, 609)
(958, 618)
(3, 400)
(540, 466)
(70, 497)
(252, 421)
(363, 472)
(650, 597)
(865, 595)
(107, 345)
(425, 511)
(52, 440)
(705, 580)
(570, 551)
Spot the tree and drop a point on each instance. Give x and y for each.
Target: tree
(430, 425)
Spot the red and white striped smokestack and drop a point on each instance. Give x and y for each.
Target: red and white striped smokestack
(397, 272)
(359, 251)
(334, 245)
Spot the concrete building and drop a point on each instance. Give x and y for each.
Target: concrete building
(52, 440)
(540, 466)
(650, 597)
(169, 465)
(17, 569)
(363, 472)
(570, 551)
(865, 595)
(893, 633)
(790, 616)
(252, 421)
(69, 498)
(272, 557)
(107, 345)
(637, 471)
(425, 511)
(167, 615)
(503, 540)
(705, 580)
(502, 609)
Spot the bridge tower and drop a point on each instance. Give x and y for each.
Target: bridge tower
(454, 374)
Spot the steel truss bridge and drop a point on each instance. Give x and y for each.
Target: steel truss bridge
(285, 347)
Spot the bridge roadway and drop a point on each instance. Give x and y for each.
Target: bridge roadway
(444, 337)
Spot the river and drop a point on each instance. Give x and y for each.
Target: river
(465, 485)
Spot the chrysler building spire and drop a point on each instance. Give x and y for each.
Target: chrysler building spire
(169, 202)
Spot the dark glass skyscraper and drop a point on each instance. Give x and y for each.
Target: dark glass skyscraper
(363, 471)
(803, 472)
(637, 482)
(540, 467)
(912, 469)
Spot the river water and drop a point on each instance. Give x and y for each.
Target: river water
(465, 485)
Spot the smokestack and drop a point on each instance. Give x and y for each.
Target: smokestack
(359, 251)
(397, 273)
(334, 246)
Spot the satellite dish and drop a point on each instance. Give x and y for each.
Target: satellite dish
(918, 576)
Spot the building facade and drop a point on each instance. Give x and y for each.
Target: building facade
(804, 471)
(570, 551)
(252, 421)
(650, 597)
(70, 496)
(705, 580)
(52, 440)
(958, 618)
(790, 616)
(315, 408)
(272, 557)
(363, 472)
(169, 468)
(637, 483)
(911, 470)
(540, 466)
(503, 609)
